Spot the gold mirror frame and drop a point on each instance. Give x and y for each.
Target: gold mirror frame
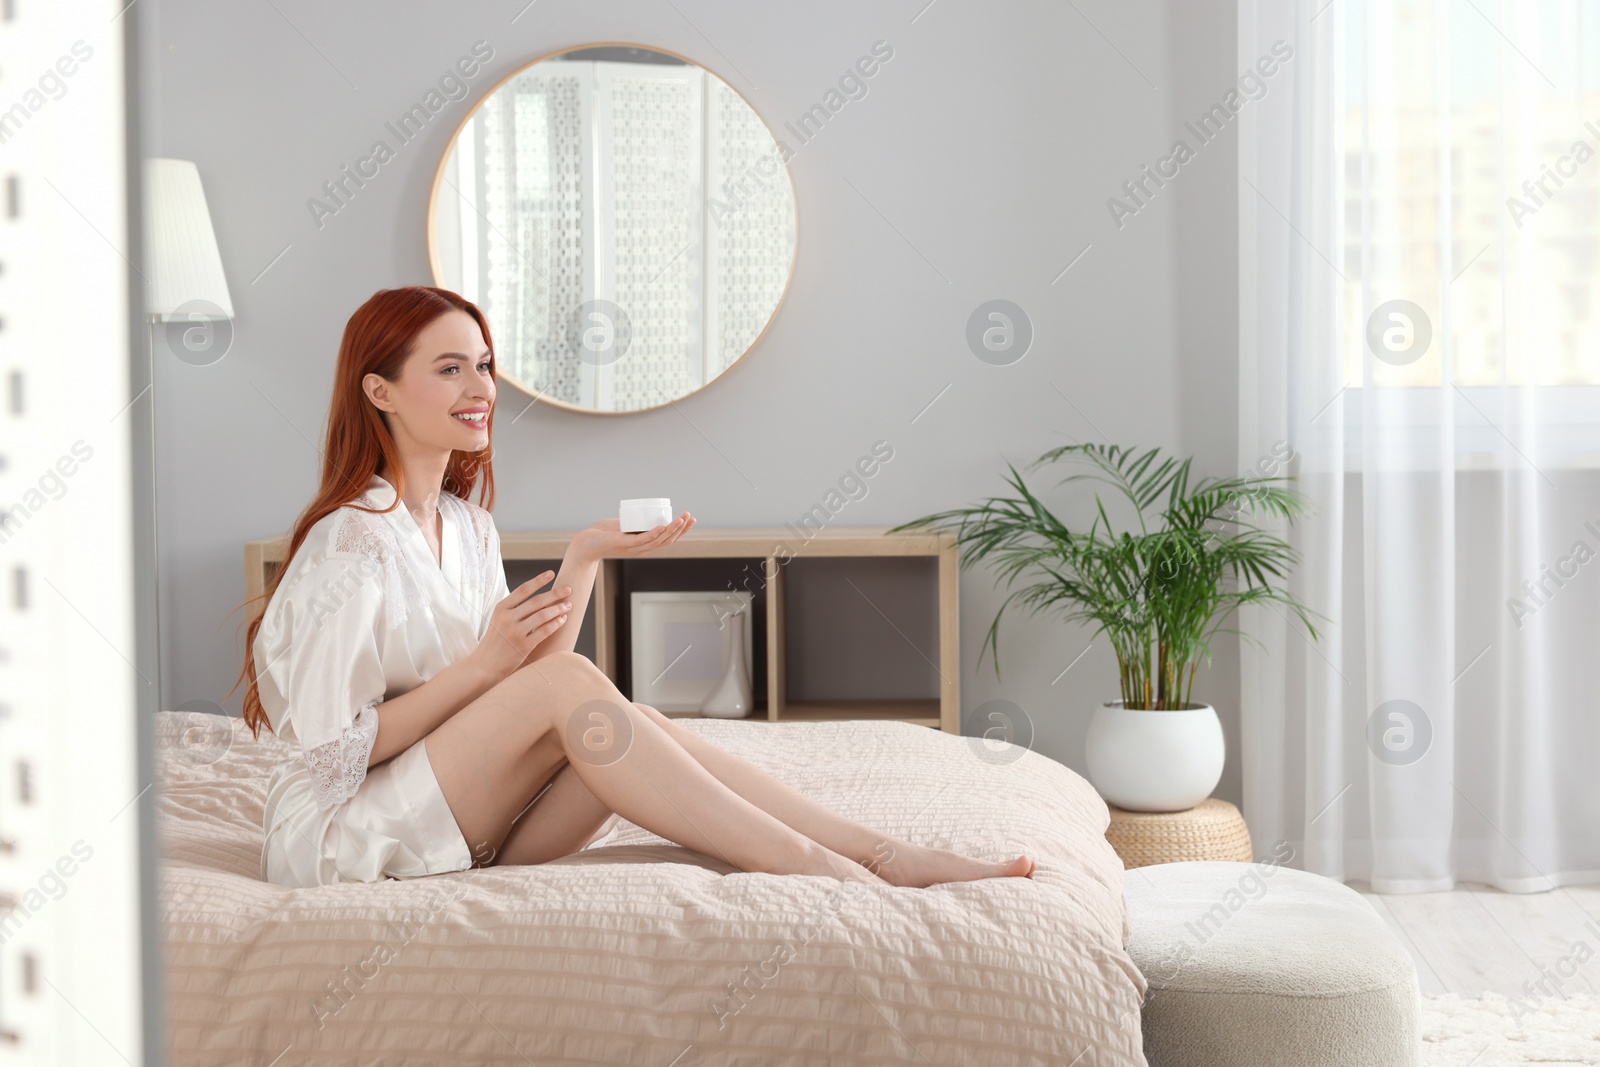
(455, 136)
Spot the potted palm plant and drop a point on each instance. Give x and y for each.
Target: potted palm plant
(1159, 589)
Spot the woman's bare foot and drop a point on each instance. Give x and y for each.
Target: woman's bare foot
(914, 865)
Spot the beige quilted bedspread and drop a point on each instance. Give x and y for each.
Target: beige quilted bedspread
(636, 951)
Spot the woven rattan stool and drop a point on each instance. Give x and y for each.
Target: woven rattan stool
(1211, 830)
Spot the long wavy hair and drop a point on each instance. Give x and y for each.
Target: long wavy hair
(377, 340)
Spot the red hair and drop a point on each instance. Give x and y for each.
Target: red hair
(377, 340)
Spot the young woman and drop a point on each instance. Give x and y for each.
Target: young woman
(443, 720)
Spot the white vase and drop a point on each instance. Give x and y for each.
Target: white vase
(731, 698)
(1154, 760)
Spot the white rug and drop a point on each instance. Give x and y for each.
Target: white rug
(1493, 1031)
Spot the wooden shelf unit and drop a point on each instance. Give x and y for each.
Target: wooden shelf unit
(775, 546)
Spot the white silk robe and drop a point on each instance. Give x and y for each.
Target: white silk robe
(364, 614)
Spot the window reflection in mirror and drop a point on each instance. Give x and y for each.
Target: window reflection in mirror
(625, 220)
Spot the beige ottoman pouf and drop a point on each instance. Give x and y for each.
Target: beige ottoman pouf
(1257, 965)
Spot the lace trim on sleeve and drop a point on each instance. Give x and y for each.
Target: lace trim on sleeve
(338, 767)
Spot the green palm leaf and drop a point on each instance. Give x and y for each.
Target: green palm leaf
(1159, 595)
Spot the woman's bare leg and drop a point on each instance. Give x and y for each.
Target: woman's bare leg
(567, 816)
(895, 860)
(563, 819)
(492, 755)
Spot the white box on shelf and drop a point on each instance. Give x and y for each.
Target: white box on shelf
(678, 642)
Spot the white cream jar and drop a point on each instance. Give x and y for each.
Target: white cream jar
(645, 513)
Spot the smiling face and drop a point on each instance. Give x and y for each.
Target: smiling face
(445, 390)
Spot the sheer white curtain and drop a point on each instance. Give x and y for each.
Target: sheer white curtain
(1419, 209)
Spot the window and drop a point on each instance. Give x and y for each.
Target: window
(1472, 189)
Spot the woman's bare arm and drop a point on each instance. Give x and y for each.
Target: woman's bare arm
(578, 570)
(416, 714)
(520, 623)
(412, 716)
(603, 540)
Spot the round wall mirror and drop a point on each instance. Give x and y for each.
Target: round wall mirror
(625, 220)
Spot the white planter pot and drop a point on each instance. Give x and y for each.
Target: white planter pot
(1154, 760)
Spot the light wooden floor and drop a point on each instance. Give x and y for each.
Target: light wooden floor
(1479, 940)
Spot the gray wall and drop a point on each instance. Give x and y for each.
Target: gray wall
(977, 167)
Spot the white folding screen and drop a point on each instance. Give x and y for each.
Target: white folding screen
(752, 232)
(649, 226)
(77, 648)
(523, 152)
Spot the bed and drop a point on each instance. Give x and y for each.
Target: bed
(638, 951)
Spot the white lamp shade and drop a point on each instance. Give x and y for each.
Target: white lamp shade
(183, 268)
